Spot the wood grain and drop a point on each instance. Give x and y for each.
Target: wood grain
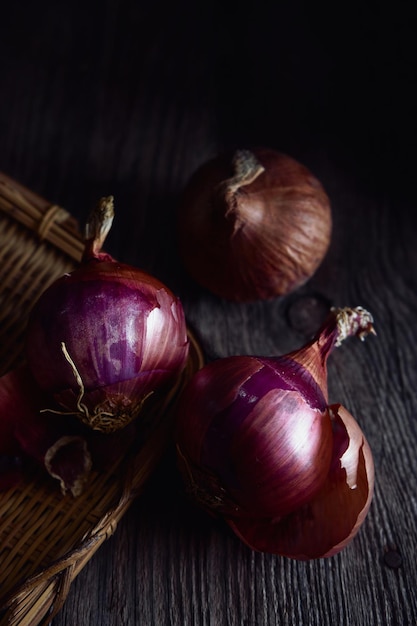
(128, 98)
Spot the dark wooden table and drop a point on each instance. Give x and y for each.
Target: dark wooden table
(128, 98)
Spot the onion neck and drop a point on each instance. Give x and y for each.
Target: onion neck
(97, 228)
(340, 324)
(246, 169)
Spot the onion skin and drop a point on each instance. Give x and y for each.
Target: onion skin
(238, 442)
(104, 337)
(59, 446)
(259, 445)
(119, 335)
(329, 522)
(253, 225)
(65, 448)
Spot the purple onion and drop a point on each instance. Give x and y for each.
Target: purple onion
(257, 442)
(105, 337)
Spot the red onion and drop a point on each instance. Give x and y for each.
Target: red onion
(259, 445)
(59, 446)
(105, 337)
(253, 225)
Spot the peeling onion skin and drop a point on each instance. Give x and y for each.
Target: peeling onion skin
(253, 225)
(124, 336)
(59, 446)
(259, 445)
(328, 523)
(246, 448)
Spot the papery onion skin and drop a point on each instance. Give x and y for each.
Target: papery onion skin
(329, 522)
(58, 446)
(258, 444)
(255, 224)
(104, 337)
(267, 464)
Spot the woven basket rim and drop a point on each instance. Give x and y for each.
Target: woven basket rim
(50, 222)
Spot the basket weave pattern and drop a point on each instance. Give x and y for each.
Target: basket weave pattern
(46, 538)
(38, 243)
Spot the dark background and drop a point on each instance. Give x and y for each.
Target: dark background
(90, 89)
(128, 98)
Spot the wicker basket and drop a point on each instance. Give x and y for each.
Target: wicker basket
(47, 538)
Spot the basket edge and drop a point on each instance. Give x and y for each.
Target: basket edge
(49, 222)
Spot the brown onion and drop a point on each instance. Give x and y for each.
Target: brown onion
(253, 225)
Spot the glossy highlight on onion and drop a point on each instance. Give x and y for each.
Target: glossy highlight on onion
(253, 224)
(107, 336)
(259, 445)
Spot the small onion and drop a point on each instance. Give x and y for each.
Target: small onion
(259, 445)
(253, 225)
(58, 446)
(105, 337)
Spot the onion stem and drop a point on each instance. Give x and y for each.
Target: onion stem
(353, 322)
(98, 226)
(246, 169)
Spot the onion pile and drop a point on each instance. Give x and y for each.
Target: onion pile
(257, 441)
(259, 445)
(253, 225)
(102, 339)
